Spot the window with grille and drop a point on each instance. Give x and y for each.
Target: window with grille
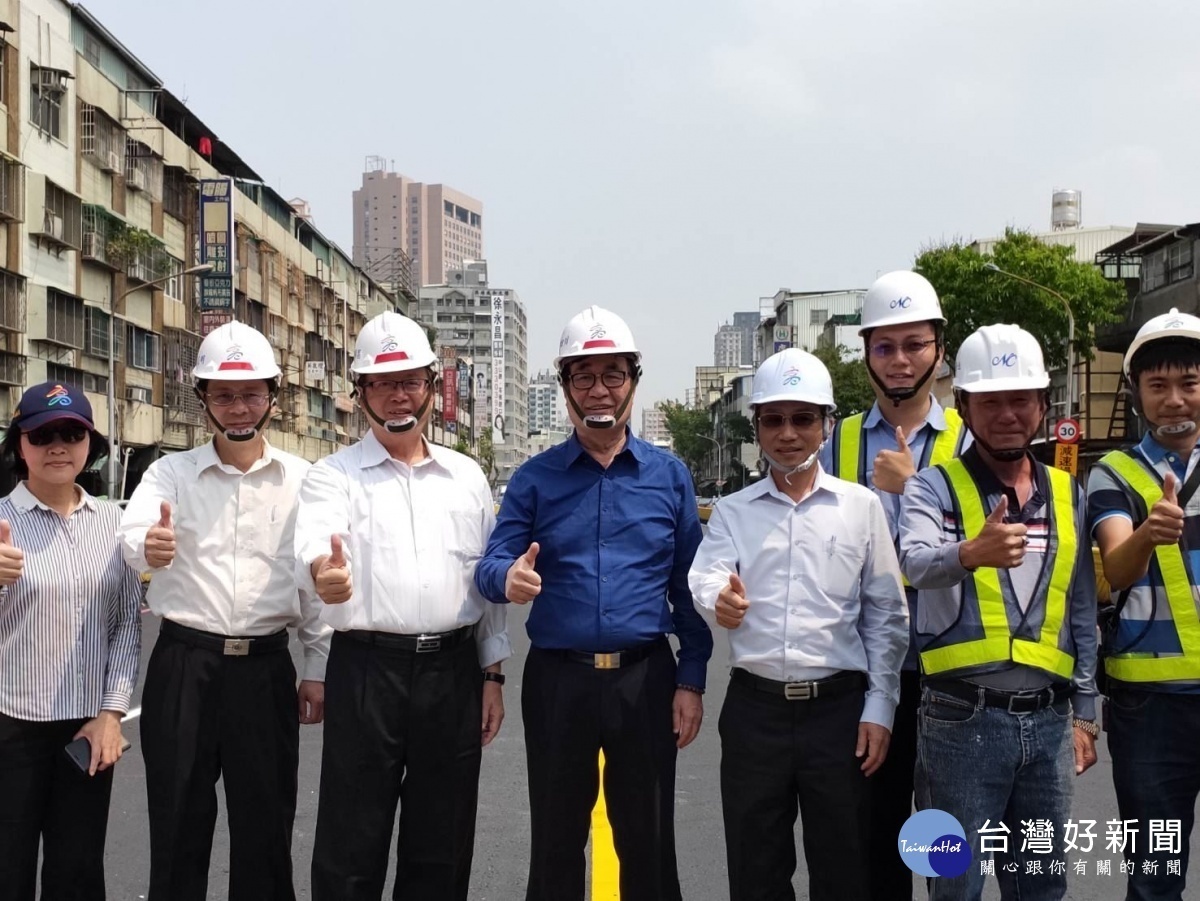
(64, 319)
(47, 90)
(144, 348)
(96, 338)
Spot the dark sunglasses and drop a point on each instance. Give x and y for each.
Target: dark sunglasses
(802, 420)
(70, 434)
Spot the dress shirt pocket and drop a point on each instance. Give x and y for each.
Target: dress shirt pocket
(464, 535)
(840, 564)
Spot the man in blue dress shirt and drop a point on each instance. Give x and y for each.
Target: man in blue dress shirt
(601, 531)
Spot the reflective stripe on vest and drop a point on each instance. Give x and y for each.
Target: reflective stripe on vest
(998, 643)
(849, 457)
(1143, 667)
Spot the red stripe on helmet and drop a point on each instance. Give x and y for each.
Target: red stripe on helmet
(600, 342)
(235, 364)
(391, 357)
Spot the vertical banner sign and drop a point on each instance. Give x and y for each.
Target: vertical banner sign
(464, 382)
(497, 369)
(216, 243)
(449, 396)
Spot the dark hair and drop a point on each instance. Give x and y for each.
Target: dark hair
(10, 451)
(1165, 353)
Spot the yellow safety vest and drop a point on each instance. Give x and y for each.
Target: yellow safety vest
(998, 643)
(1149, 667)
(849, 449)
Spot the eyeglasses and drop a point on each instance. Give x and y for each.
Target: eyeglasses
(614, 378)
(68, 434)
(388, 386)
(805, 419)
(883, 350)
(229, 398)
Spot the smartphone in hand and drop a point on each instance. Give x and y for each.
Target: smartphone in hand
(80, 752)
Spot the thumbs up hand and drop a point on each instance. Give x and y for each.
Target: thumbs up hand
(522, 583)
(998, 544)
(331, 573)
(12, 559)
(160, 540)
(893, 468)
(1164, 525)
(731, 603)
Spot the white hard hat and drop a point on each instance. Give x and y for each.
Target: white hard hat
(234, 352)
(897, 298)
(793, 375)
(595, 331)
(390, 342)
(1169, 325)
(999, 358)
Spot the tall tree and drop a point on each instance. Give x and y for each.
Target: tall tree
(973, 295)
(851, 385)
(690, 431)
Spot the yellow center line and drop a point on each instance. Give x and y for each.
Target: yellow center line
(606, 883)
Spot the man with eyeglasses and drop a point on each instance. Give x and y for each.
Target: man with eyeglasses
(598, 533)
(388, 535)
(801, 570)
(905, 431)
(215, 526)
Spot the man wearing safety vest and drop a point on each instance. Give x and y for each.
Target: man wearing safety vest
(906, 430)
(996, 544)
(1145, 512)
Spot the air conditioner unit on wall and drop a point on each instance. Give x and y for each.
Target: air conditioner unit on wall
(93, 244)
(138, 394)
(136, 180)
(53, 226)
(112, 162)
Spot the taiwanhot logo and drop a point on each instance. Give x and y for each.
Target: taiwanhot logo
(933, 843)
(596, 331)
(792, 377)
(58, 396)
(1006, 360)
(389, 344)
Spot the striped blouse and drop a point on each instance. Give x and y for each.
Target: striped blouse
(70, 626)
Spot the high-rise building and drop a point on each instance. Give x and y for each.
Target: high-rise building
(397, 219)
(486, 326)
(748, 323)
(727, 346)
(547, 411)
(654, 427)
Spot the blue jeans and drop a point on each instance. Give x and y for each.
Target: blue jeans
(1153, 737)
(983, 763)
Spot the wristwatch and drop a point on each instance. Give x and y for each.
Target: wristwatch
(498, 678)
(1088, 726)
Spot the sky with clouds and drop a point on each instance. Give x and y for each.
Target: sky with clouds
(674, 161)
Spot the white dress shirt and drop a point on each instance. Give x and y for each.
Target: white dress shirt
(412, 536)
(70, 626)
(234, 567)
(822, 581)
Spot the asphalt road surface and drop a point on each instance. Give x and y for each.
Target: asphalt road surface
(503, 831)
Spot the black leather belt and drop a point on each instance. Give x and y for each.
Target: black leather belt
(610, 659)
(842, 683)
(426, 643)
(224, 644)
(1012, 701)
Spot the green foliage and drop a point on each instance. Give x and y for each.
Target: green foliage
(973, 296)
(487, 456)
(851, 384)
(690, 428)
(462, 447)
(738, 430)
(126, 244)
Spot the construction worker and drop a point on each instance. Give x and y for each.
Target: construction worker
(215, 525)
(598, 532)
(388, 535)
(1144, 510)
(996, 544)
(906, 430)
(801, 569)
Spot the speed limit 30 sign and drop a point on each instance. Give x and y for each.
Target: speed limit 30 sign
(1067, 431)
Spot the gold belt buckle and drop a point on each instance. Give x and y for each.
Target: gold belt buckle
(800, 691)
(608, 661)
(237, 647)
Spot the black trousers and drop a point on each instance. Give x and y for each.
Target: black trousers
(45, 799)
(204, 716)
(399, 727)
(892, 798)
(779, 755)
(572, 712)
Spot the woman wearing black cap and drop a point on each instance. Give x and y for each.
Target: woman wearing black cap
(70, 636)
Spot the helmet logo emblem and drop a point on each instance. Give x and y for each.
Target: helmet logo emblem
(234, 353)
(1007, 360)
(1173, 323)
(901, 303)
(596, 331)
(59, 397)
(389, 344)
(792, 376)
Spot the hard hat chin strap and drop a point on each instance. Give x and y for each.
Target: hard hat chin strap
(239, 435)
(603, 420)
(405, 423)
(899, 395)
